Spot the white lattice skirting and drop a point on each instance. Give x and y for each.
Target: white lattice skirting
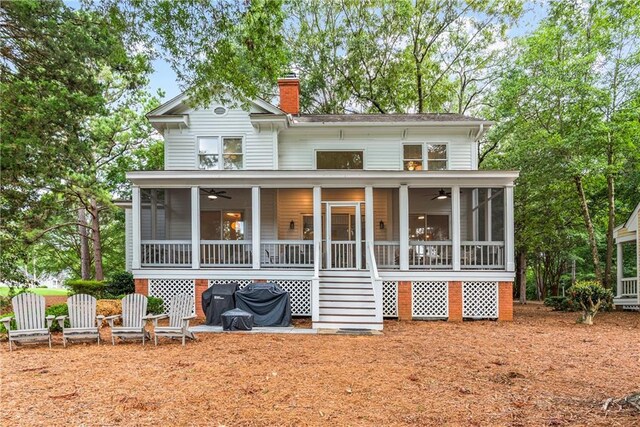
(480, 300)
(390, 299)
(299, 292)
(430, 300)
(167, 288)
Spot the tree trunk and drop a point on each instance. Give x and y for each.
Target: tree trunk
(589, 225)
(97, 244)
(611, 223)
(521, 275)
(85, 258)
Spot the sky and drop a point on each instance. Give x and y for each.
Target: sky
(164, 77)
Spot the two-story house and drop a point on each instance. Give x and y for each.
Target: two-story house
(358, 216)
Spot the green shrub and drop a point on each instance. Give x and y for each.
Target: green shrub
(589, 297)
(155, 305)
(94, 288)
(559, 303)
(58, 310)
(121, 283)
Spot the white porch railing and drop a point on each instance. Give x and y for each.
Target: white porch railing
(430, 255)
(225, 253)
(286, 253)
(343, 254)
(482, 255)
(376, 281)
(387, 254)
(629, 286)
(165, 253)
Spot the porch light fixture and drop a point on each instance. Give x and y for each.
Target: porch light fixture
(381, 225)
(212, 196)
(292, 225)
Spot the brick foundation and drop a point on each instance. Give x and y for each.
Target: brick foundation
(201, 286)
(142, 286)
(505, 301)
(404, 300)
(455, 301)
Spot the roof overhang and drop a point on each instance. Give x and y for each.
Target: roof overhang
(160, 122)
(294, 123)
(323, 178)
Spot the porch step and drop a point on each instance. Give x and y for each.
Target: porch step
(375, 326)
(327, 304)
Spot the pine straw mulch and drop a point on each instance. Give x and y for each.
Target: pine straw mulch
(542, 369)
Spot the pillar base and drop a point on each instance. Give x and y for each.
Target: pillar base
(455, 302)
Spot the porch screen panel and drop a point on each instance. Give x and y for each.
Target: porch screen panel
(165, 227)
(482, 228)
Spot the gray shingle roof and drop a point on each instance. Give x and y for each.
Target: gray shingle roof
(385, 118)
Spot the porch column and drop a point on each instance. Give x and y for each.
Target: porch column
(455, 227)
(368, 217)
(255, 226)
(403, 198)
(195, 227)
(509, 238)
(135, 226)
(317, 221)
(619, 269)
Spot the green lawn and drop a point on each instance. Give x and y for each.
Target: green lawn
(40, 291)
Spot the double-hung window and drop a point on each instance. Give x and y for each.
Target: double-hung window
(215, 152)
(424, 157)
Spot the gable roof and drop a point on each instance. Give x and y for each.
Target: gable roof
(178, 100)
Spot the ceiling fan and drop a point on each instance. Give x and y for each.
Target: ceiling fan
(213, 194)
(442, 195)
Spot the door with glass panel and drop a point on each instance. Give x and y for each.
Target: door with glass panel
(343, 236)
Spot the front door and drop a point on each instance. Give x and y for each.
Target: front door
(343, 245)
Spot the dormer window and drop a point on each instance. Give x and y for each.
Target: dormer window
(418, 157)
(216, 152)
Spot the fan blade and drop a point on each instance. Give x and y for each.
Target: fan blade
(224, 197)
(221, 192)
(434, 197)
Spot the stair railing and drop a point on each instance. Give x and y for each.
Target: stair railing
(315, 282)
(375, 280)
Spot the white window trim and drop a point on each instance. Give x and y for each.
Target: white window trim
(221, 150)
(316, 150)
(425, 157)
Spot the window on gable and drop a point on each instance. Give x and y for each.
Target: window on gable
(339, 160)
(220, 153)
(437, 157)
(232, 153)
(209, 153)
(412, 157)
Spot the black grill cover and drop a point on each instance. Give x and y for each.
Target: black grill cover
(269, 304)
(218, 299)
(237, 320)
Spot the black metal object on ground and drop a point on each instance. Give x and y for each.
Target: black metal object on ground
(269, 304)
(237, 320)
(218, 299)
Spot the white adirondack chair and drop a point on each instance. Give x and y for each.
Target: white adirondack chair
(134, 309)
(29, 312)
(180, 313)
(85, 325)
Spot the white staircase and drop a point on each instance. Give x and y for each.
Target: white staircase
(347, 301)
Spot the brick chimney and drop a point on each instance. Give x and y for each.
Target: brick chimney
(289, 87)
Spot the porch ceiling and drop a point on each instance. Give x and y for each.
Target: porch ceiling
(323, 178)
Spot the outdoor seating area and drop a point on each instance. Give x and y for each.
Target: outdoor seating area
(28, 324)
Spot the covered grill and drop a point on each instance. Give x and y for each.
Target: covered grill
(218, 299)
(269, 304)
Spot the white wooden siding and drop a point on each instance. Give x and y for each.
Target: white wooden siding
(128, 238)
(181, 151)
(382, 148)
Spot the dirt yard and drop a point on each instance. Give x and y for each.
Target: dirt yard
(542, 369)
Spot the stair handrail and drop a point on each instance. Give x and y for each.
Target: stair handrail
(376, 280)
(315, 282)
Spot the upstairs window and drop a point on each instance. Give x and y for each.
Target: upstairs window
(413, 157)
(418, 157)
(437, 157)
(339, 160)
(210, 149)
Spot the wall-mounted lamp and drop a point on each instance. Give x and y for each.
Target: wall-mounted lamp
(381, 225)
(292, 225)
